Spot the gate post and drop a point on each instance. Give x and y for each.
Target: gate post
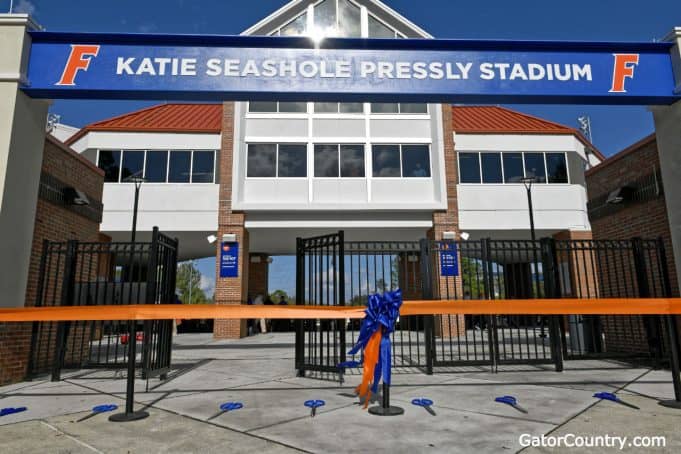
(671, 324)
(67, 294)
(150, 298)
(300, 301)
(552, 290)
(341, 291)
(425, 256)
(488, 283)
(651, 323)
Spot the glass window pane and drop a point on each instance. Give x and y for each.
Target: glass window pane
(384, 108)
(491, 168)
(378, 30)
(386, 160)
(469, 167)
(534, 167)
(557, 168)
(294, 107)
(262, 160)
(157, 166)
(110, 163)
(133, 164)
(203, 166)
(350, 19)
(297, 27)
(351, 107)
(180, 162)
(262, 106)
(352, 161)
(415, 161)
(414, 108)
(326, 161)
(513, 167)
(326, 107)
(292, 161)
(325, 17)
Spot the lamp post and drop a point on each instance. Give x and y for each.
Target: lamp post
(130, 414)
(528, 181)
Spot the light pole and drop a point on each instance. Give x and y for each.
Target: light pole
(130, 413)
(527, 181)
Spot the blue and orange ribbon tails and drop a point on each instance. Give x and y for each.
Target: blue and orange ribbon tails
(374, 341)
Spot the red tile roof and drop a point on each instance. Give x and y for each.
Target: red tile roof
(186, 118)
(500, 120)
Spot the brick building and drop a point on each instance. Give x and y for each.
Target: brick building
(56, 220)
(627, 200)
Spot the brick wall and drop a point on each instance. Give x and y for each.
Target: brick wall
(230, 290)
(258, 275)
(646, 219)
(53, 222)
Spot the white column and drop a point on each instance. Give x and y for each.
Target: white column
(668, 132)
(22, 137)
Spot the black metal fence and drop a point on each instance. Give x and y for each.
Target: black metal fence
(331, 271)
(90, 274)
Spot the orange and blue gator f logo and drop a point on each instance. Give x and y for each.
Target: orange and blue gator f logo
(79, 59)
(623, 69)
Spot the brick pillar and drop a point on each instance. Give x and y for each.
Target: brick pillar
(230, 290)
(258, 275)
(448, 221)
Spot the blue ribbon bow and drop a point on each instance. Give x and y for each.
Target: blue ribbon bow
(381, 313)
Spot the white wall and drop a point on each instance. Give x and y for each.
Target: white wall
(146, 141)
(319, 194)
(503, 207)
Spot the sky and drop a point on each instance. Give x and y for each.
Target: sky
(613, 127)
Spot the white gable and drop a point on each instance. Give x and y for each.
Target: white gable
(372, 13)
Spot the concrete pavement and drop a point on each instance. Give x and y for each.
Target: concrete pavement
(258, 371)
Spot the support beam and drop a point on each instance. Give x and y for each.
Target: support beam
(22, 138)
(668, 132)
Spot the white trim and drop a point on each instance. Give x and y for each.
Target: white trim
(378, 224)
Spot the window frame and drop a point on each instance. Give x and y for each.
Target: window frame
(168, 152)
(503, 172)
(340, 164)
(276, 161)
(400, 146)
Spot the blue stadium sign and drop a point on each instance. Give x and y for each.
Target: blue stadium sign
(267, 68)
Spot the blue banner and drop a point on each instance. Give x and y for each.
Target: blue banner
(229, 259)
(449, 259)
(267, 68)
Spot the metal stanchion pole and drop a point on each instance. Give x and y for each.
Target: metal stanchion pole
(130, 414)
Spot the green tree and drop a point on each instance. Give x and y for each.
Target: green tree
(276, 295)
(189, 283)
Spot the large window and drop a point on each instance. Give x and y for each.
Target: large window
(110, 163)
(338, 18)
(402, 108)
(338, 107)
(378, 29)
(277, 107)
(407, 161)
(268, 160)
(158, 166)
(512, 167)
(333, 161)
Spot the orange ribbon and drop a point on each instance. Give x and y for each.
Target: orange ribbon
(370, 360)
(611, 306)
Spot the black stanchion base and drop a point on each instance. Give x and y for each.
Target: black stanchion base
(382, 411)
(128, 417)
(670, 404)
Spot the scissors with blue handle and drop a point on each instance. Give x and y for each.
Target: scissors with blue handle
(314, 405)
(227, 407)
(12, 410)
(612, 397)
(99, 409)
(425, 403)
(512, 401)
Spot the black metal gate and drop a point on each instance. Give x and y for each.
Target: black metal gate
(484, 269)
(89, 274)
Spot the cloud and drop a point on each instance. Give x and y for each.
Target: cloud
(207, 284)
(24, 7)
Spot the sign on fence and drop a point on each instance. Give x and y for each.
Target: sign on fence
(449, 259)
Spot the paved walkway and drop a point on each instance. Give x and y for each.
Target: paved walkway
(258, 371)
